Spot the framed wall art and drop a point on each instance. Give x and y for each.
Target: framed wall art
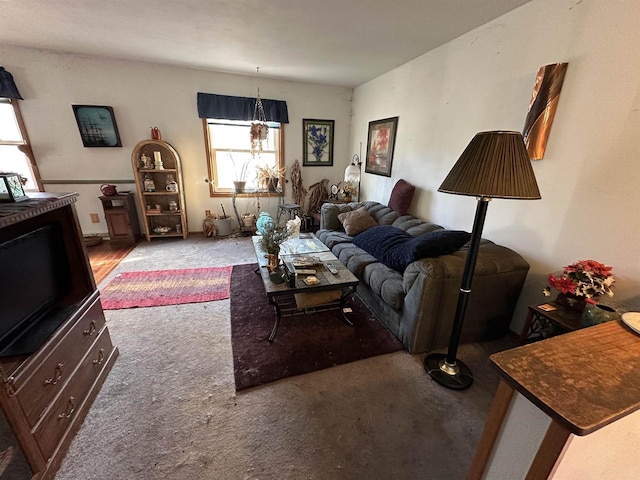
(317, 147)
(97, 125)
(380, 142)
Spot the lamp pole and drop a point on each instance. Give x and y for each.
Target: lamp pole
(446, 369)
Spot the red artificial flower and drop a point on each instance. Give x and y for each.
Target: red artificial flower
(562, 284)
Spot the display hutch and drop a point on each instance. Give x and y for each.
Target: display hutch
(55, 348)
(158, 174)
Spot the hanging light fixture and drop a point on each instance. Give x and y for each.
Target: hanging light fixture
(259, 128)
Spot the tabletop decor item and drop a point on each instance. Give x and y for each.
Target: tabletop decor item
(348, 189)
(273, 234)
(598, 313)
(580, 283)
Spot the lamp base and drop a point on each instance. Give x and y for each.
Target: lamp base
(457, 376)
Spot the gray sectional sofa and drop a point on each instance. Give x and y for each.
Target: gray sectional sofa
(418, 305)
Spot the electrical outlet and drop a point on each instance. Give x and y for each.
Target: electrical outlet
(94, 218)
(207, 213)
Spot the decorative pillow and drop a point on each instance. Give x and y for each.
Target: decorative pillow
(397, 249)
(386, 244)
(357, 221)
(438, 242)
(401, 197)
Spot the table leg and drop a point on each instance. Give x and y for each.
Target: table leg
(342, 304)
(276, 324)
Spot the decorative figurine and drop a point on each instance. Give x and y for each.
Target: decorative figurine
(149, 186)
(173, 206)
(171, 184)
(145, 162)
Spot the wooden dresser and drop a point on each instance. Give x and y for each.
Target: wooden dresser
(47, 393)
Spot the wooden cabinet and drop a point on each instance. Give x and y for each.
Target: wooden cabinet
(122, 218)
(158, 173)
(47, 392)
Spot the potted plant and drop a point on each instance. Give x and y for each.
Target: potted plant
(269, 176)
(273, 234)
(241, 174)
(581, 282)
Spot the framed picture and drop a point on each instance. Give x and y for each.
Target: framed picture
(380, 143)
(317, 147)
(97, 126)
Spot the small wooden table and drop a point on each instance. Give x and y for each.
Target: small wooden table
(543, 323)
(583, 381)
(282, 296)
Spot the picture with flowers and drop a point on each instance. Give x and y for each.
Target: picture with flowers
(585, 279)
(317, 147)
(380, 143)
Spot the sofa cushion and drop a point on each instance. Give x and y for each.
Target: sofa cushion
(401, 196)
(357, 221)
(397, 249)
(330, 215)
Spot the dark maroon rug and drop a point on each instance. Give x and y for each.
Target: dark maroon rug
(304, 343)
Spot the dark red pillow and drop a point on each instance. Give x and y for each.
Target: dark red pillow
(401, 197)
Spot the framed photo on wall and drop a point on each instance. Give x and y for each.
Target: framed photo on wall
(317, 147)
(97, 125)
(380, 142)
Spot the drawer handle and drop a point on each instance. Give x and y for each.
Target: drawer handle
(57, 375)
(92, 328)
(70, 410)
(100, 358)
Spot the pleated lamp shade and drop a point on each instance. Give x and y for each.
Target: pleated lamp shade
(495, 165)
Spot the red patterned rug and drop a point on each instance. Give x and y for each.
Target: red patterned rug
(166, 287)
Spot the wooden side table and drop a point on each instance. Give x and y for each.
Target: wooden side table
(122, 218)
(547, 320)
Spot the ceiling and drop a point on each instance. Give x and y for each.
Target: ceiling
(332, 42)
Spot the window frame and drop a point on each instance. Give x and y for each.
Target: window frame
(25, 145)
(229, 192)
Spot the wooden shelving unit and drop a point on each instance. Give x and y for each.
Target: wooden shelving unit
(169, 214)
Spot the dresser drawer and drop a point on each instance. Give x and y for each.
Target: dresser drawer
(62, 413)
(40, 387)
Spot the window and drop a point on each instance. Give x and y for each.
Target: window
(15, 151)
(229, 156)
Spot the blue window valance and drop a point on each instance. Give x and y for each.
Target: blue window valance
(8, 88)
(240, 108)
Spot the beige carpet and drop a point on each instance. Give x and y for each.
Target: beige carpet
(169, 410)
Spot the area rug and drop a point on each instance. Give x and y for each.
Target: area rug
(304, 343)
(166, 287)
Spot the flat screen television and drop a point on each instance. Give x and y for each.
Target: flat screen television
(34, 277)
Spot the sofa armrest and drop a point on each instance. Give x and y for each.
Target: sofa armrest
(432, 286)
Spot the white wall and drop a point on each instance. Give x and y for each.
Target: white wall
(145, 95)
(483, 81)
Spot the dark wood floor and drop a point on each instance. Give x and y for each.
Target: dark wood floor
(104, 258)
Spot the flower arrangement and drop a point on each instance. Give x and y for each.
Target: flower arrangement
(584, 278)
(348, 188)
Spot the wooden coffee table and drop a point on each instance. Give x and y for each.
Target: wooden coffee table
(300, 297)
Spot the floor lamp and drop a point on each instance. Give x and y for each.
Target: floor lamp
(494, 165)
